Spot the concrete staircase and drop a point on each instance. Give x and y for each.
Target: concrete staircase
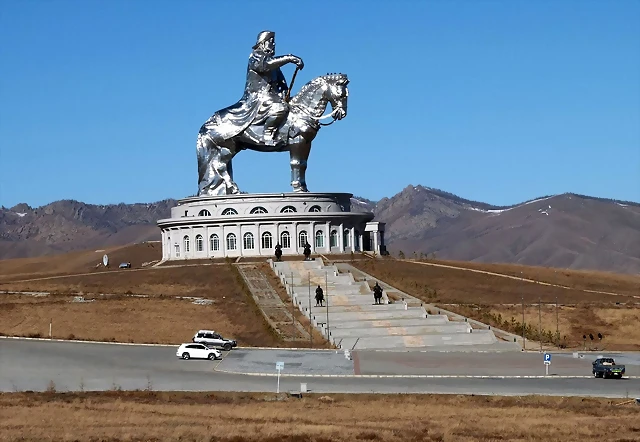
(352, 321)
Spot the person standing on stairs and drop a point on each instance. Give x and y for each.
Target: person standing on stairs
(319, 296)
(377, 293)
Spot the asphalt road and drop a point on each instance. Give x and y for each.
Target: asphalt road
(34, 365)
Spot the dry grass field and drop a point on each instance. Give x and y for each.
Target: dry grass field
(143, 306)
(497, 300)
(206, 281)
(459, 286)
(579, 279)
(244, 417)
(617, 324)
(153, 320)
(79, 262)
(159, 317)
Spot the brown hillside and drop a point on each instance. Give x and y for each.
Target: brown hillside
(453, 285)
(80, 261)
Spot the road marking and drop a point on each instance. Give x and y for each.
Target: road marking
(87, 342)
(160, 345)
(411, 376)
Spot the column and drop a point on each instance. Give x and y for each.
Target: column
(352, 236)
(376, 248)
(312, 237)
(327, 237)
(341, 237)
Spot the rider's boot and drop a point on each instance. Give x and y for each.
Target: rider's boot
(271, 128)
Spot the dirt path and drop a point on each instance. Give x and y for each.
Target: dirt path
(533, 281)
(44, 278)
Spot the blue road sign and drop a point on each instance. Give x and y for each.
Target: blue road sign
(547, 357)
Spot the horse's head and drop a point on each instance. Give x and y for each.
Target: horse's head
(337, 93)
(330, 88)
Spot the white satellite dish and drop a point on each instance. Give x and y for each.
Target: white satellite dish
(105, 260)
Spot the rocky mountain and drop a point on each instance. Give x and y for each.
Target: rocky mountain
(67, 225)
(566, 231)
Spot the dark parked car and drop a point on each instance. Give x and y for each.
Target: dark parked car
(607, 368)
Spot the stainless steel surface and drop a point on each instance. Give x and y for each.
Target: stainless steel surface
(264, 121)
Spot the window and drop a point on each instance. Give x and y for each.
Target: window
(315, 209)
(185, 243)
(285, 240)
(229, 211)
(177, 247)
(231, 241)
(356, 240)
(247, 241)
(199, 246)
(345, 238)
(288, 209)
(302, 238)
(214, 243)
(333, 239)
(319, 238)
(258, 210)
(267, 241)
(204, 212)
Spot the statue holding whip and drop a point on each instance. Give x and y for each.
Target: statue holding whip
(267, 119)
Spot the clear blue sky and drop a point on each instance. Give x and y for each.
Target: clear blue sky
(498, 101)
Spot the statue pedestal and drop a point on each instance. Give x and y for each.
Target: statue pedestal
(252, 224)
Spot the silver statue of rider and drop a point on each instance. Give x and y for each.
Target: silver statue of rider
(262, 108)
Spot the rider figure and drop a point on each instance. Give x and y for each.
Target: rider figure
(266, 82)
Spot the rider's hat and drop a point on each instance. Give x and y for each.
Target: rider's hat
(263, 36)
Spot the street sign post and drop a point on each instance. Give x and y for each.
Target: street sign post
(547, 362)
(279, 367)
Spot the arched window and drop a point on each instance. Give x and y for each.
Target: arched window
(185, 243)
(204, 212)
(285, 240)
(288, 209)
(315, 209)
(229, 211)
(303, 238)
(356, 240)
(199, 245)
(333, 239)
(231, 241)
(345, 238)
(267, 241)
(247, 241)
(214, 243)
(258, 210)
(319, 238)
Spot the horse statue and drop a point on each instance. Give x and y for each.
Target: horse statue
(215, 150)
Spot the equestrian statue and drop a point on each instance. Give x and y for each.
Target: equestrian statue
(268, 119)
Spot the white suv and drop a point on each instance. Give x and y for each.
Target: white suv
(213, 339)
(198, 351)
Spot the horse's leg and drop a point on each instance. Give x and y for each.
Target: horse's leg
(299, 153)
(213, 174)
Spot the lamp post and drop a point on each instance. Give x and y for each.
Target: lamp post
(326, 290)
(524, 342)
(557, 325)
(540, 322)
(310, 331)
